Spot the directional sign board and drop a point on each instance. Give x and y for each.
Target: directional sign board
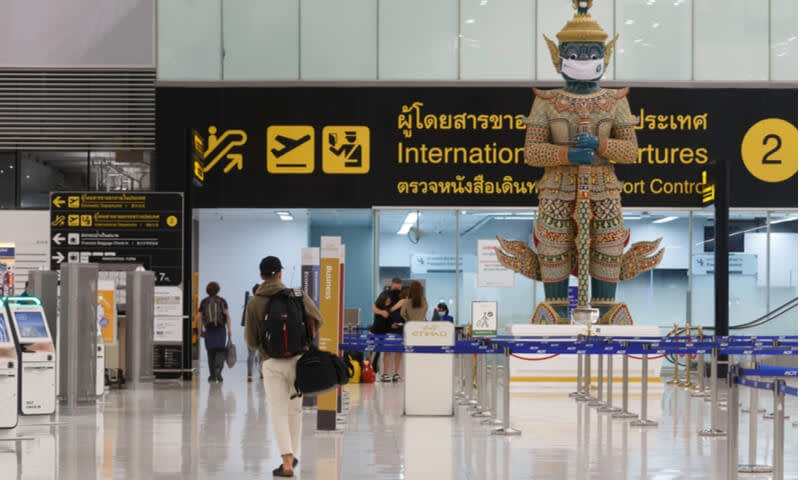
(119, 228)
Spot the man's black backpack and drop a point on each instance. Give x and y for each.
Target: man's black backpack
(283, 331)
(319, 371)
(214, 312)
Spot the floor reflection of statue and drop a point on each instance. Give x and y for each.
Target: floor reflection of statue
(577, 133)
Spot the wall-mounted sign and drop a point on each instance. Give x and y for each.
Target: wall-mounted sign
(107, 310)
(484, 318)
(168, 315)
(460, 146)
(491, 273)
(119, 228)
(738, 264)
(7, 258)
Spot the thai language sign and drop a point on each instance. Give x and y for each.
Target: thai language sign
(114, 229)
(460, 146)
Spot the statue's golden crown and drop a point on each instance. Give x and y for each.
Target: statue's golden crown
(582, 28)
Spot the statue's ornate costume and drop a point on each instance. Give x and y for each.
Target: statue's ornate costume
(577, 134)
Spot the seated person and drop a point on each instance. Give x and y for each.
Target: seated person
(442, 313)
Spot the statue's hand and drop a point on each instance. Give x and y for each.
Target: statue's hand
(586, 140)
(581, 156)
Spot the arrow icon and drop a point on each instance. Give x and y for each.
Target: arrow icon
(58, 238)
(58, 257)
(236, 161)
(58, 202)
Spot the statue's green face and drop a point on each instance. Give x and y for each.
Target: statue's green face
(582, 61)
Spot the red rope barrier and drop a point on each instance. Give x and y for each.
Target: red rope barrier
(649, 358)
(535, 359)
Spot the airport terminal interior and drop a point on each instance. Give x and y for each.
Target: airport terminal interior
(547, 239)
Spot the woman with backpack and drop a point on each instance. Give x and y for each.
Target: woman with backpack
(213, 320)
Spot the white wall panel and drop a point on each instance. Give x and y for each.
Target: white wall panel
(418, 40)
(655, 41)
(339, 39)
(261, 39)
(189, 41)
(731, 40)
(498, 39)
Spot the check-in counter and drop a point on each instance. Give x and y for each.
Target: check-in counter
(428, 387)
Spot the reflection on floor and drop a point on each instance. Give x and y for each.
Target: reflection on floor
(196, 430)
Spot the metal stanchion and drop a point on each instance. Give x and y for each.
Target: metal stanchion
(493, 419)
(687, 381)
(598, 402)
(610, 408)
(587, 379)
(578, 388)
(483, 409)
(506, 429)
(459, 387)
(733, 424)
(469, 392)
(675, 380)
(777, 442)
(643, 421)
(751, 466)
(624, 413)
(713, 430)
(701, 390)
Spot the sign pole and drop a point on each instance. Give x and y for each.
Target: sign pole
(329, 332)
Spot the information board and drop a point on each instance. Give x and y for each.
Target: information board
(484, 318)
(132, 228)
(491, 273)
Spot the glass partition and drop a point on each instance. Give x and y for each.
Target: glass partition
(659, 296)
(355, 227)
(515, 299)
(421, 245)
(782, 276)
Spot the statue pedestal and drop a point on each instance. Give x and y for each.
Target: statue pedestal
(559, 373)
(546, 314)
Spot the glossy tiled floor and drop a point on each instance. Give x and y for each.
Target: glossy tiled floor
(196, 430)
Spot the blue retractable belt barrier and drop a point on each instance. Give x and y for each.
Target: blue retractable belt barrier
(788, 390)
(769, 371)
(755, 383)
(588, 345)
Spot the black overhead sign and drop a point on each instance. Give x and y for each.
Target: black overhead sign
(458, 146)
(119, 228)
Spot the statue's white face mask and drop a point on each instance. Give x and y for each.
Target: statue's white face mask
(582, 69)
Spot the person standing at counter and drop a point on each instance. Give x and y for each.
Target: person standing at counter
(415, 308)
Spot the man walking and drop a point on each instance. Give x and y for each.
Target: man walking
(286, 414)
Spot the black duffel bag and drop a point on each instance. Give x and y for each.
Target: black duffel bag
(319, 371)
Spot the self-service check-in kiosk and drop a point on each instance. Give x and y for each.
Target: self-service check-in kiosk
(9, 373)
(37, 358)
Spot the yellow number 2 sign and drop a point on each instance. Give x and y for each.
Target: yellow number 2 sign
(769, 150)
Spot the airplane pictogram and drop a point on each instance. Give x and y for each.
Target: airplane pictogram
(289, 144)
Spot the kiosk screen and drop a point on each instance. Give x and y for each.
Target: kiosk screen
(31, 324)
(3, 333)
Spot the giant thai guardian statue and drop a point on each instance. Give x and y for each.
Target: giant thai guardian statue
(577, 133)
